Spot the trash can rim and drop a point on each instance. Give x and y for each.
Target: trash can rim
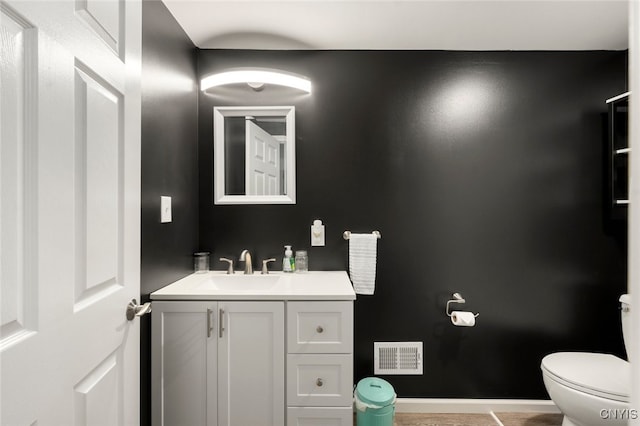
(375, 392)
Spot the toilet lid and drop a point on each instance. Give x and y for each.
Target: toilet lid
(601, 375)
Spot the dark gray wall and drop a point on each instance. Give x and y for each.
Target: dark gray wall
(169, 163)
(484, 173)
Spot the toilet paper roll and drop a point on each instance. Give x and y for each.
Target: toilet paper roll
(463, 319)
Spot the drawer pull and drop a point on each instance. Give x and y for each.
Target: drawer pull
(319, 382)
(319, 329)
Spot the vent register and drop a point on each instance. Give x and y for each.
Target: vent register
(396, 358)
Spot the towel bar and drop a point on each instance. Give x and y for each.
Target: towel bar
(347, 234)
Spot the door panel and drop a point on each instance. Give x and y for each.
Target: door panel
(98, 117)
(263, 162)
(70, 232)
(18, 46)
(106, 18)
(94, 399)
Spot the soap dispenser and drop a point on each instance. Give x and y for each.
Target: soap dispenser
(288, 261)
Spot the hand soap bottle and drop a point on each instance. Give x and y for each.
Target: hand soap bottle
(288, 261)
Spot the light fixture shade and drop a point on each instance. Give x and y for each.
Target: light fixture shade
(256, 75)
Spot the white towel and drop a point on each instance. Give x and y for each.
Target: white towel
(362, 262)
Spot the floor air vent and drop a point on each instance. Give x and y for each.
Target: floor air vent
(397, 357)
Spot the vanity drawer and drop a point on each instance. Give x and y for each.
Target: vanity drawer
(320, 327)
(320, 416)
(319, 380)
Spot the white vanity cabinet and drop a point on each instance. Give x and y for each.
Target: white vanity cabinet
(218, 363)
(254, 350)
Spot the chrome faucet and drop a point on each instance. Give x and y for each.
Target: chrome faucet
(246, 258)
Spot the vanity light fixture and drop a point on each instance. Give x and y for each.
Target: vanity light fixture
(256, 78)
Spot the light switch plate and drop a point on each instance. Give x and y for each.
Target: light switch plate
(165, 209)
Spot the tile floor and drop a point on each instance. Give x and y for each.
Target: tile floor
(403, 419)
(529, 419)
(507, 419)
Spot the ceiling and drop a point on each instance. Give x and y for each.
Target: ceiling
(405, 24)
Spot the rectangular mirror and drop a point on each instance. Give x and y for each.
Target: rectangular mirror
(254, 155)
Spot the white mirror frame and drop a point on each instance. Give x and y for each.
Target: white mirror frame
(219, 113)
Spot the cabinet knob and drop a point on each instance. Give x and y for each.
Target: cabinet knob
(319, 382)
(319, 329)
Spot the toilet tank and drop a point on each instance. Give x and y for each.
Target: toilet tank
(625, 317)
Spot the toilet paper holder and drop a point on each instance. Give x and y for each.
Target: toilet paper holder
(457, 298)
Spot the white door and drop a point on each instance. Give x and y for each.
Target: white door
(70, 208)
(251, 364)
(263, 161)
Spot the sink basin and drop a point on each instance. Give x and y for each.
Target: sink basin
(239, 282)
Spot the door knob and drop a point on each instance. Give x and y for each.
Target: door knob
(135, 310)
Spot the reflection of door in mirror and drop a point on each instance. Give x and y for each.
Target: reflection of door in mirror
(263, 161)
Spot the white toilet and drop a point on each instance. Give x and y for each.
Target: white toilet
(590, 388)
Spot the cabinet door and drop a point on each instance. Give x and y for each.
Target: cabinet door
(251, 364)
(184, 353)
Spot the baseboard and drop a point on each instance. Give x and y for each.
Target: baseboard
(454, 405)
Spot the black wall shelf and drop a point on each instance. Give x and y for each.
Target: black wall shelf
(618, 152)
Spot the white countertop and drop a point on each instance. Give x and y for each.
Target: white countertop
(217, 285)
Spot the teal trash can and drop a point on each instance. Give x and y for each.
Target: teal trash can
(375, 402)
